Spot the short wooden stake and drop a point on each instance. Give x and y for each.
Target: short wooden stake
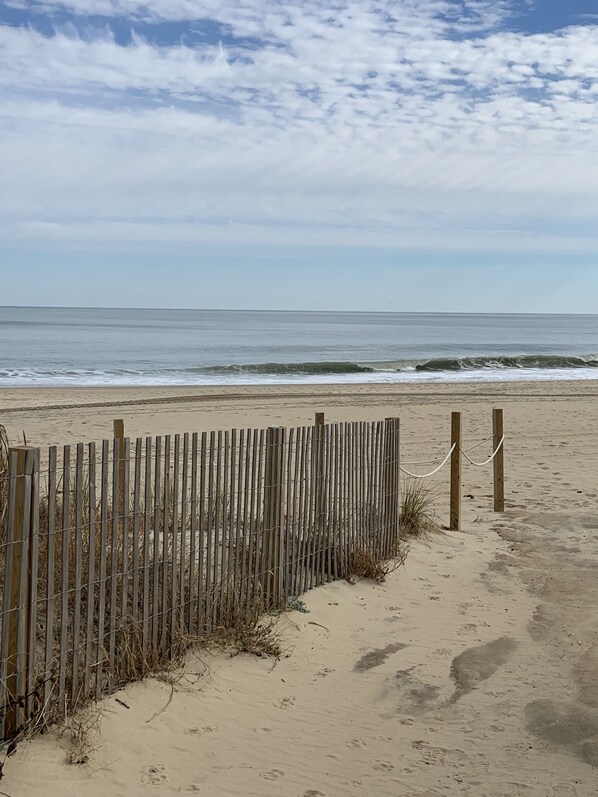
(18, 575)
(455, 510)
(119, 433)
(499, 461)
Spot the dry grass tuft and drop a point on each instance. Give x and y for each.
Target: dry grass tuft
(82, 732)
(363, 564)
(258, 639)
(417, 510)
(243, 629)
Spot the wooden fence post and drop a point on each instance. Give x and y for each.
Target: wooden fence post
(17, 585)
(319, 464)
(391, 480)
(499, 461)
(455, 510)
(119, 434)
(272, 553)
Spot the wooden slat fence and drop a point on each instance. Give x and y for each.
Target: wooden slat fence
(113, 557)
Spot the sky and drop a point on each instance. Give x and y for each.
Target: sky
(301, 154)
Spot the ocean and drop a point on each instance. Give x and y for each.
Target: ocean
(110, 347)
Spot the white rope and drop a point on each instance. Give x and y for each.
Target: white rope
(486, 462)
(426, 475)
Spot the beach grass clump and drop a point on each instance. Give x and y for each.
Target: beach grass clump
(242, 628)
(81, 732)
(364, 565)
(417, 510)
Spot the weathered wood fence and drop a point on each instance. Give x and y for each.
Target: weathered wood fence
(113, 555)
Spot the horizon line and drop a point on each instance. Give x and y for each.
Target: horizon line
(286, 310)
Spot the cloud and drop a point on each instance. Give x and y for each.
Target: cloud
(402, 123)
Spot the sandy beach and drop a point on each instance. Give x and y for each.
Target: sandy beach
(473, 670)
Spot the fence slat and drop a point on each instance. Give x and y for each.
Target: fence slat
(91, 568)
(259, 566)
(238, 543)
(218, 513)
(10, 606)
(307, 513)
(226, 488)
(231, 567)
(78, 573)
(192, 627)
(293, 550)
(244, 490)
(114, 544)
(147, 520)
(329, 503)
(202, 590)
(125, 503)
(50, 576)
(102, 575)
(136, 526)
(33, 565)
(287, 527)
(212, 498)
(183, 588)
(166, 539)
(24, 592)
(155, 582)
(174, 547)
(64, 596)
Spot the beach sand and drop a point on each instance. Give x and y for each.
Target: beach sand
(473, 670)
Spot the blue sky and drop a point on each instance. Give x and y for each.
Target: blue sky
(380, 154)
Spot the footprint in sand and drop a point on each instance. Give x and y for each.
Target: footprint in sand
(325, 672)
(154, 776)
(313, 793)
(198, 731)
(286, 703)
(383, 766)
(272, 774)
(438, 756)
(356, 744)
(468, 628)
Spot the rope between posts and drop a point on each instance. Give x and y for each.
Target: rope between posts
(426, 475)
(487, 461)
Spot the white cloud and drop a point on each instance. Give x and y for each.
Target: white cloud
(365, 122)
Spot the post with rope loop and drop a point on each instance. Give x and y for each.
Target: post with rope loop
(455, 507)
(499, 460)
